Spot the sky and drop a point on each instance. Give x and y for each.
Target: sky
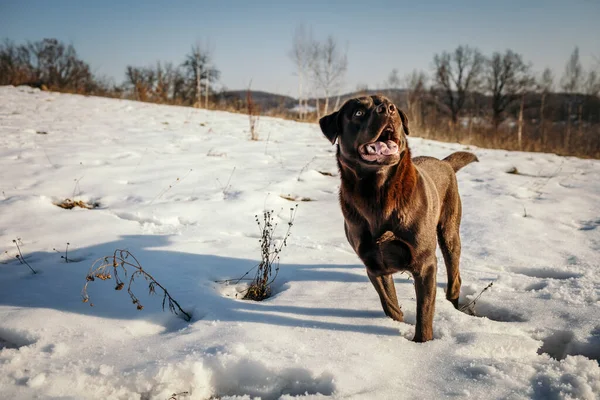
(251, 40)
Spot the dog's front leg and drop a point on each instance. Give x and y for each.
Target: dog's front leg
(425, 287)
(384, 285)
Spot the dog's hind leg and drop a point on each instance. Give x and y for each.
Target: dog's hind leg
(425, 288)
(387, 294)
(449, 240)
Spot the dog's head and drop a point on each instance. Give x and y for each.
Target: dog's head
(371, 131)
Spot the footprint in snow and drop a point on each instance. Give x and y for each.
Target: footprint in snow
(534, 287)
(560, 344)
(589, 225)
(547, 273)
(498, 314)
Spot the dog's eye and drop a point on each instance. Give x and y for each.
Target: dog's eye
(359, 113)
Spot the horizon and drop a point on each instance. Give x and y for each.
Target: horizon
(112, 35)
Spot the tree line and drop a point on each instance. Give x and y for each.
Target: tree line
(53, 65)
(490, 101)
(47, 62)
(498, 101)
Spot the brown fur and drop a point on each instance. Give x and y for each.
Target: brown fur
(396, 208)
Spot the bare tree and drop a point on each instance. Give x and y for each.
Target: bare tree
(415, 84)
(46, 63)
(15, 65)
(329, 68)
(134, 78)
(198, 69)
(253, 111)
(573, 75)
(303, 56)
(456, 74)
(391, 85)
(591, 86)
(393, 80)
(571, 83)
(362, 88)
(545, 85)
(507, 79)
(207, 87)
(164, 82)
(179, 92)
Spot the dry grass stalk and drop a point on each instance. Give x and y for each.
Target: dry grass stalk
(120, 261)
(20, 255)
(225, 188)
(267, 270)
(66, 256)
(305, 167)
(165, 190)
(253, 112)
(469, 308)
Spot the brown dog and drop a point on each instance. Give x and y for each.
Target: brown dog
(395, 207)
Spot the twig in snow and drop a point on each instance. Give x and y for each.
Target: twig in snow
(268, 269)
(267, 144)
(253, 111)
(48, 158)
(20, 255)
(121, 260)
(225, 189)
(540, 185)
(76, 186)
(305, 167)
(471, 305)
(260, 289)
(141, 158)
(162, 192)
(176, 396)
(66, 256)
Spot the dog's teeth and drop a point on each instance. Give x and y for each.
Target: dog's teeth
(371, 149)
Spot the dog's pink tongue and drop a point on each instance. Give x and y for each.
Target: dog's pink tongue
(388, 148)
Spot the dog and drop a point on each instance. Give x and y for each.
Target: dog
(395, 206)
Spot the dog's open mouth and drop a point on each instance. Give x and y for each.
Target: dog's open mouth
(380, 150)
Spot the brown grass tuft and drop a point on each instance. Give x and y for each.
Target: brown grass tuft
(295, 198)
(69, 204)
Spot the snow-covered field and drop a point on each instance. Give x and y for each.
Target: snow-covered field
(180, 188)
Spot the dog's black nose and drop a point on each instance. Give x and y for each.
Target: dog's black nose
(383, 108)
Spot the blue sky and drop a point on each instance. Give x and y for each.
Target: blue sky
(251, 39)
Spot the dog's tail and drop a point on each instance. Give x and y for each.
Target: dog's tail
(460, 159)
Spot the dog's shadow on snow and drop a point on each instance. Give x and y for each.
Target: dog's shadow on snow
(189, 278)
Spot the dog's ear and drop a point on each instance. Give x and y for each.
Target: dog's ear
(404, 120)
(330, 126)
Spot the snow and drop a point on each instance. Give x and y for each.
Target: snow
(305, 108)
(180, 187)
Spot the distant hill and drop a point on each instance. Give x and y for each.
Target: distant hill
(265, 100)
(271, 103)
(396, 95)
